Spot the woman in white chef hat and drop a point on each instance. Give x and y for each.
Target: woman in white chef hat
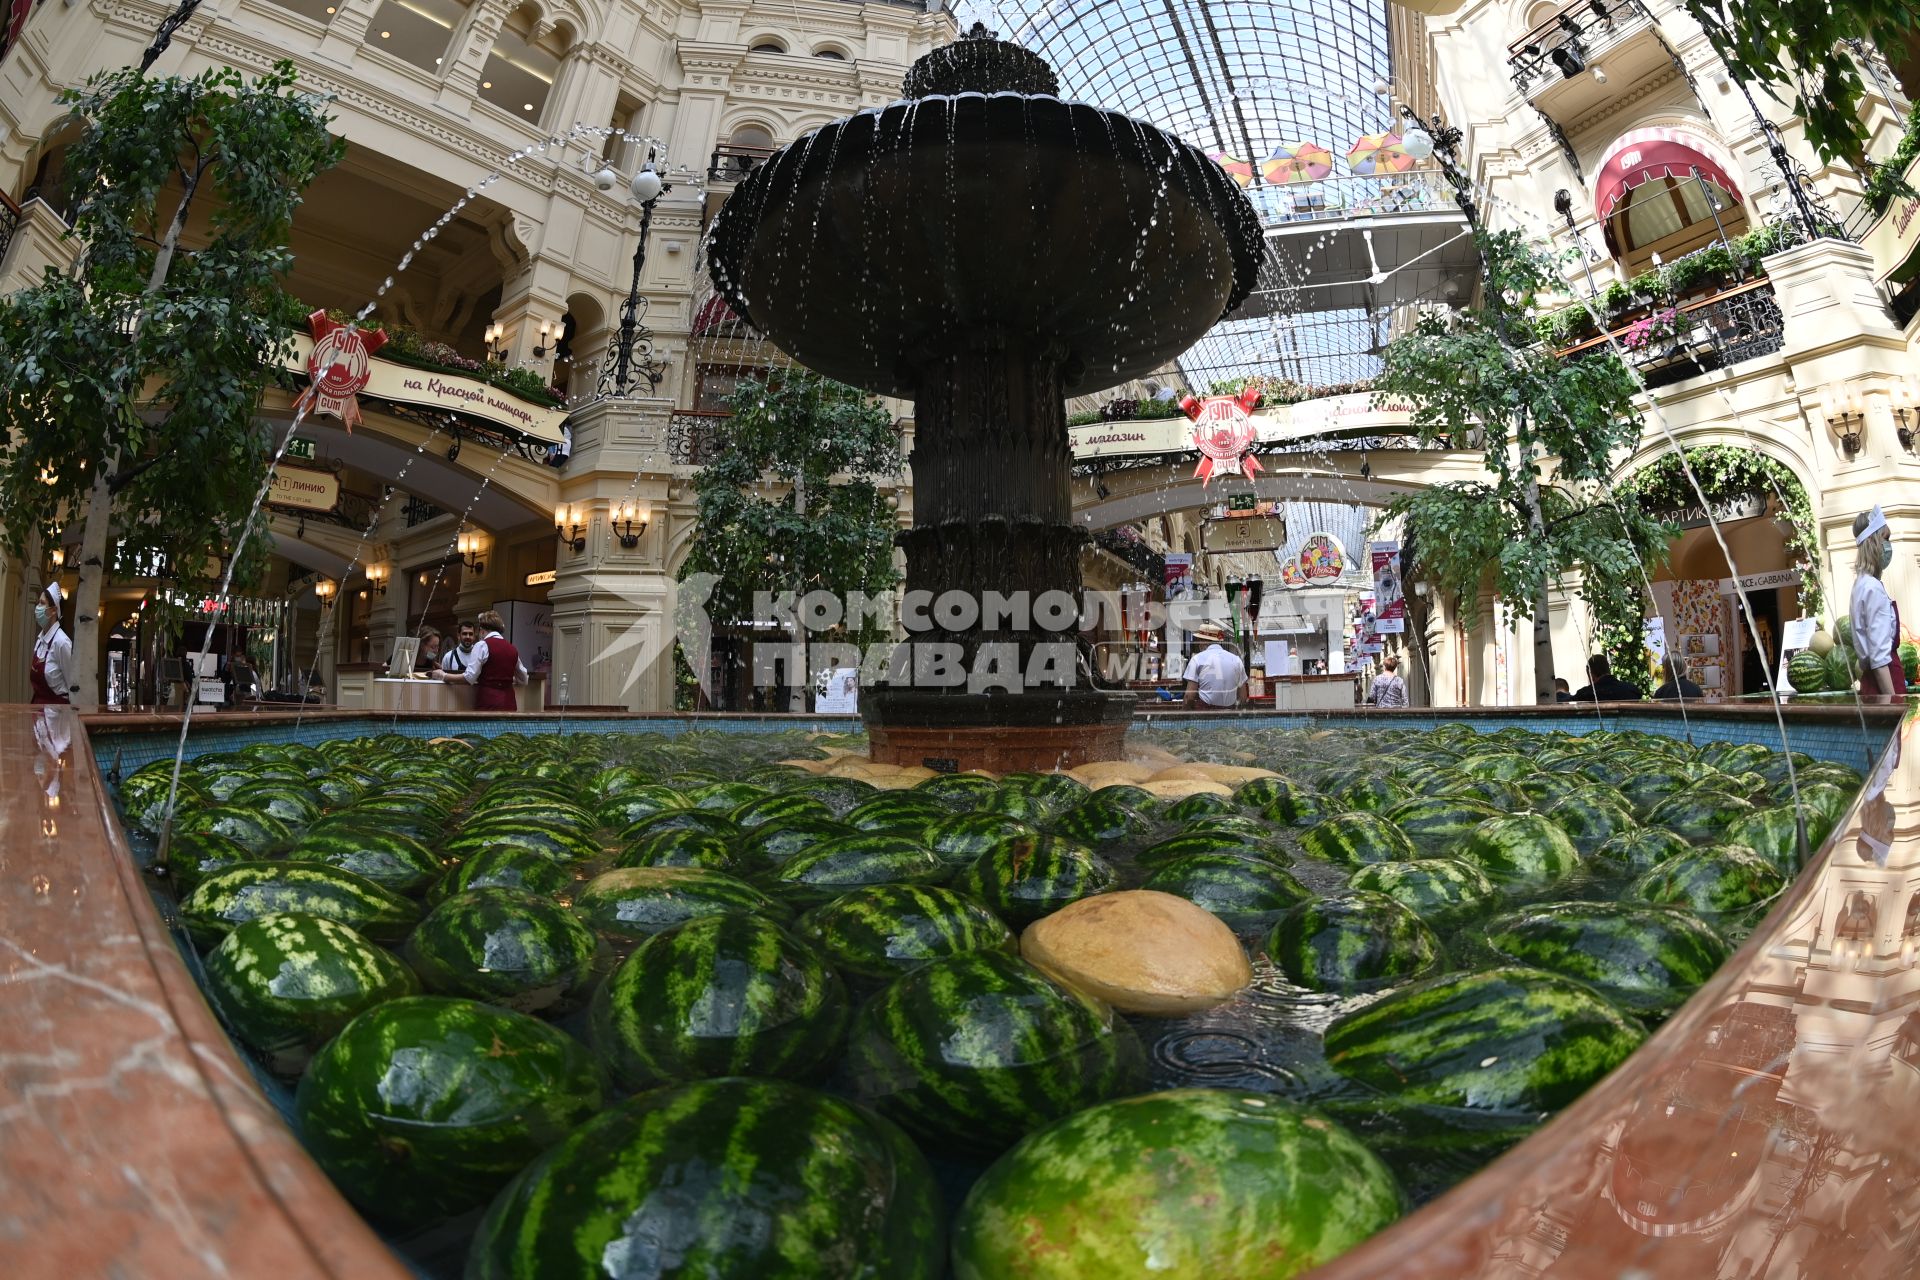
(52, 650)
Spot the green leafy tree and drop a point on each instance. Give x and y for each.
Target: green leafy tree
(1809, 48)
(131, 382)
(791, 501)
(1548, 430)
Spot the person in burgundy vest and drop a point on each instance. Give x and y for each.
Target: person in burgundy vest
(494, 667)
(52, 650)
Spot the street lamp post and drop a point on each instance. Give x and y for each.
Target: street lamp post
(631, 357)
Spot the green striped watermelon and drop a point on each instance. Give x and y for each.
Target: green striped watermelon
(1514, 1040)
(680, 849)
(1774, 834)
(1023, 805)
(958, 840)
(1545, 790)
(1201, 804)
(1233, 824)
(637, 902)
(1590, 818)
(1355, 942)
(1436, 825)
(387, 858)
(1026, 877)
(779, 807)
(1717, 880)
(1435, 889)
(504, 867)
(257, 832)
(611, 782)
(854, 862)
(960, 792)
(504, 946)
(1184, 1183)
(719, 995)
(422, 1108)
(774, 843)
(294, 803)
(1640, 849)
(1243, 892)
(1503, 766)
(422, 827)
(725, 1180)
(1646, 790)
(557, 814)
(1371, 793)
(248, 890)
(1284, 801)
(623, 810)
(904, 813)
(977, 1050)
(838, 794)
(143, 796)
(1500, 796)
(885, 930)
(1354, 839)
(558, 843)
(1100, 819)
(1701, 815)
(1521, 848)
(284, 985)
(192, 856)
(724, 797)
(1191, 843)
(706, 820)
(1647, 960)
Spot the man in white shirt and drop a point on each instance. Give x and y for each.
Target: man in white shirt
(1216, 677)
(455, 660)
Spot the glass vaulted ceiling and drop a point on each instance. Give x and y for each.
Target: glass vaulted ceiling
(1240, 77)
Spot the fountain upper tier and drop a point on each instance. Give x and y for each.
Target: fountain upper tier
(874, 247)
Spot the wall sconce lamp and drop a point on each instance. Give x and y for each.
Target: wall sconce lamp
(1846, 414)
(468, 545)
(377, 575)
(571, 526)
(1906, 408)
(495, 351)
(324, 590)
(546, 339)
(59, 559)
(630, 522)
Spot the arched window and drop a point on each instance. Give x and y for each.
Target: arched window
(767, 45)
(520, 71)
(1671, 216)
(830, 53)
(745, 148)
(417, 31)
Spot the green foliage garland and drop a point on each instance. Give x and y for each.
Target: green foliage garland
(1887, 181)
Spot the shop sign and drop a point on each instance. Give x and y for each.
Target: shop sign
(305, 488)
(1760, 581)
(1741, 506)
(542, 578)
(1894, 241)
(1361, 413)
(339, 362)
(405, 384)
(1245, 533)
(1223, 432)
(1120, 439)
(1322, 559)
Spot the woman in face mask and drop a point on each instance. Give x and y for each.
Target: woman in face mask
(52, 650)
(1875, 617)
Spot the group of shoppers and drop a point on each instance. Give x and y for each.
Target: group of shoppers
(481, 657)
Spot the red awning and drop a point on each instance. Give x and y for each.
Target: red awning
(1646, 154)
(716, 319)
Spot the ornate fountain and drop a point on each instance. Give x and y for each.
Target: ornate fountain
(987, 250)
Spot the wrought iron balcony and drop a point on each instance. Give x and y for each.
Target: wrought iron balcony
(1348, 196)
(732, 161)
(1673, 344)
(1564, 45)
(9, 223)
(694, 437)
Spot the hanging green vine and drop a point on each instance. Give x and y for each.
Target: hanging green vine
(1725, 471)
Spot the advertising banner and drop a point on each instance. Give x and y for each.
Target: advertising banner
(305, 488)
(1390, 602)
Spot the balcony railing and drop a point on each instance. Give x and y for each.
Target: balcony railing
(1565, 44)
(1331, 199)
(1716, 332)
(733, 161)
(694, 438)
(9, 223)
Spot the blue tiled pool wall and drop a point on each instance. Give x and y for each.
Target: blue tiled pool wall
(1854, 743)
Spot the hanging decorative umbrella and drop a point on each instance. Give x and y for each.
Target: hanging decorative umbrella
(1241, 171)
(1379, 153)
(1297, 162)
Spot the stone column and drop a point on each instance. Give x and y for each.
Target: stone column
(467, 52)
(347, 30)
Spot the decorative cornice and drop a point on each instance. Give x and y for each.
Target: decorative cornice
(1614, 106)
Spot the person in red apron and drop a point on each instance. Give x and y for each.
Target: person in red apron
(493, 669)
(1873, 614)
(52, 651)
